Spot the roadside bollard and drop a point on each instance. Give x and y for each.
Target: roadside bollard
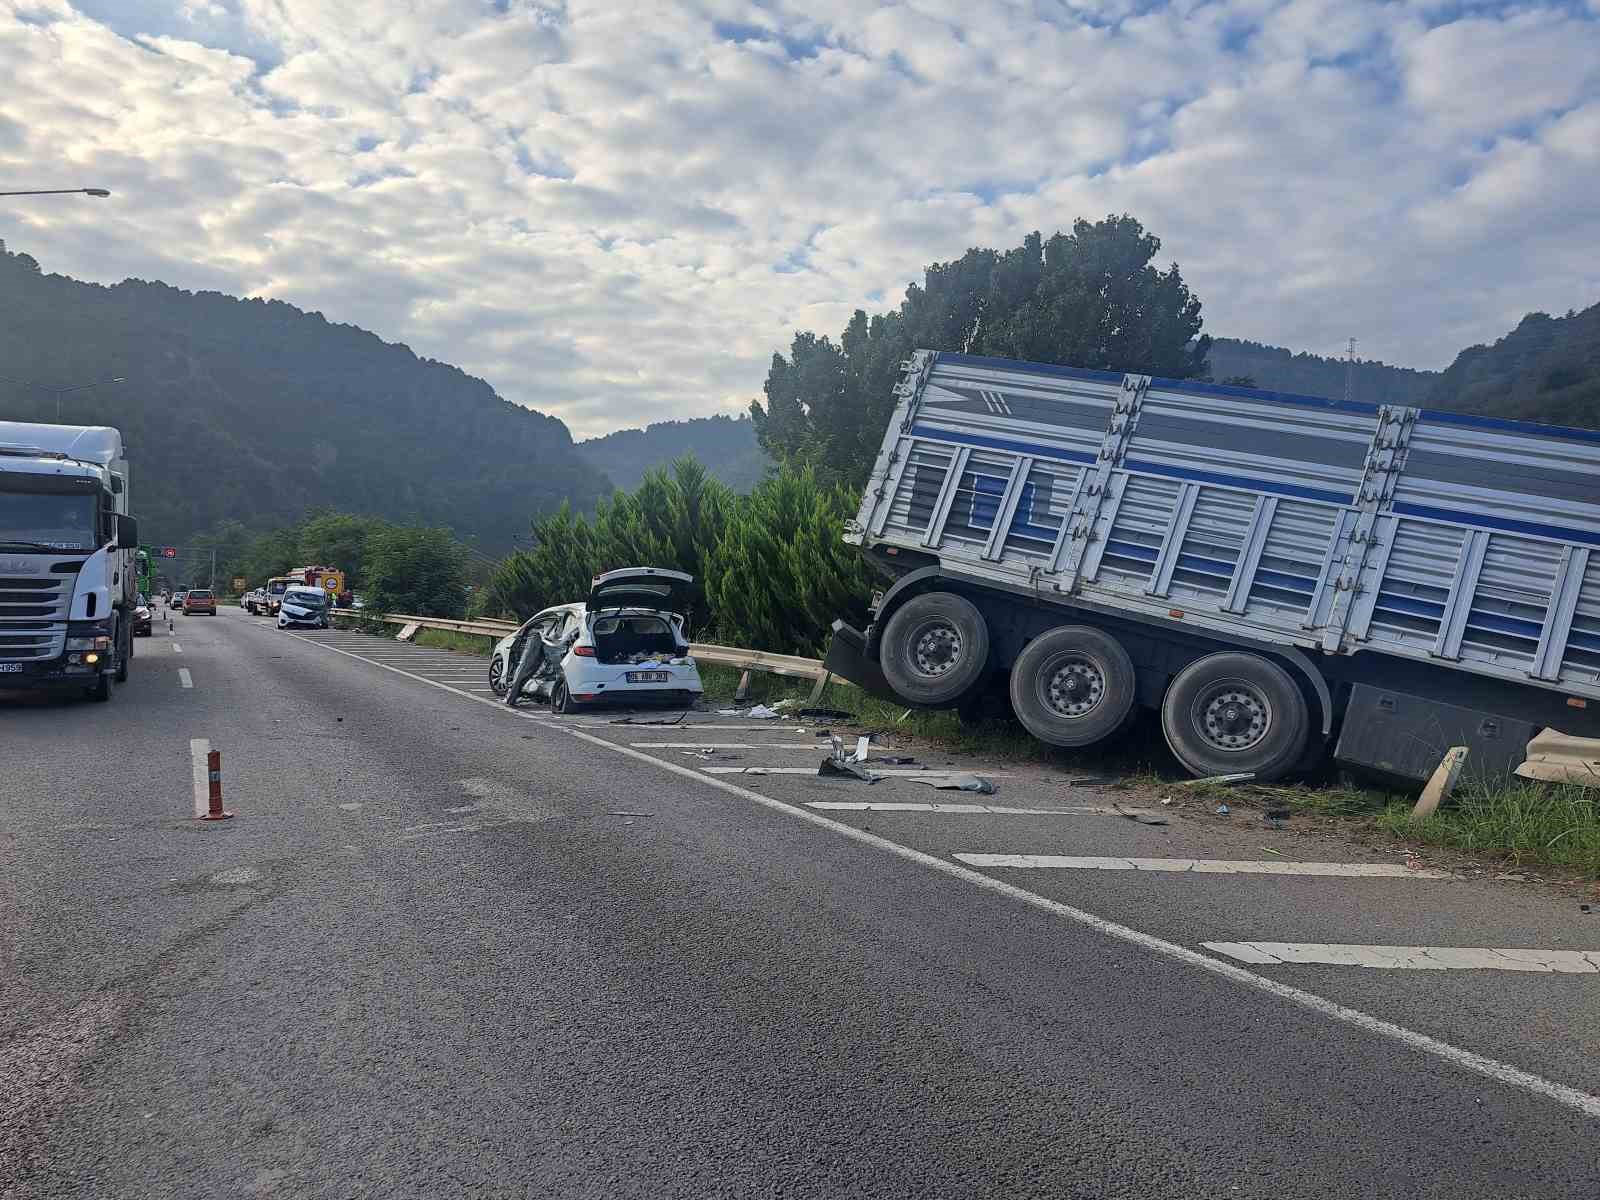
(214, 774)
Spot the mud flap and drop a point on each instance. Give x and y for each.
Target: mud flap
(847, 659)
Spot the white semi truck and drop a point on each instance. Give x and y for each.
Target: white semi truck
(68, 579)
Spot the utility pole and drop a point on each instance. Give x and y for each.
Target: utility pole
(213, 583)
(1350, 372)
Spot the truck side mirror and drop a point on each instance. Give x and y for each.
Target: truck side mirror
(127, 532)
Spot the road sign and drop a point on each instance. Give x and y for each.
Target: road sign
(238, 583)
(169, 552)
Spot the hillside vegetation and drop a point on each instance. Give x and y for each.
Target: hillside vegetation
(257, 411)
(726, 445)
(1546, 369)
(1283, 370)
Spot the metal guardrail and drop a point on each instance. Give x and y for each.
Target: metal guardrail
(790, 665)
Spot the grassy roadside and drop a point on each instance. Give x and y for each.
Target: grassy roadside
(448, 639)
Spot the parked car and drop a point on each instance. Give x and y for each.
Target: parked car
(142, 618)
(253, 601)
(303, 606)
(625, 644)
(199, 600)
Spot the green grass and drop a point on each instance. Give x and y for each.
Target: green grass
(1526, 821)
(448, 639)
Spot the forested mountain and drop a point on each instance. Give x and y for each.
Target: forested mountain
(1546, 369)
(1283, 370)
(257, 411)
(726, 445)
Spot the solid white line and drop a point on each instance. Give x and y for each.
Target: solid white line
(184, 678)
(198, 749)
(1465, 1059)
(820, 746)
(1204, 866)
(881, 772)
(1413, 958)
(1084, 810)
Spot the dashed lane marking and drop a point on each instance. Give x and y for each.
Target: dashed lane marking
(1458, 1056)
(1204, 866)
(199, 748)
(184, 678)
(177, 649)
(1412, 958)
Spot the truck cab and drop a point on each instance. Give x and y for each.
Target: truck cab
(68, 576)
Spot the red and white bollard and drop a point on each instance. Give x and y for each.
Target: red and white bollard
(214, 775)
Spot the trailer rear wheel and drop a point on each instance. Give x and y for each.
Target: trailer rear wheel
(1234, 712)
(934, 648)
(1073, 686)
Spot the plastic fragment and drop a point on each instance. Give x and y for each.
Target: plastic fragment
(957, 783)
(1223, 810)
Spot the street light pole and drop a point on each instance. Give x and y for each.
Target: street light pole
(101, 192)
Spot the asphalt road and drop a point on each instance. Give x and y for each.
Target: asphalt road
(447, 950)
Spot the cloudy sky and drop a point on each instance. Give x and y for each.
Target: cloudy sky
(616, 210)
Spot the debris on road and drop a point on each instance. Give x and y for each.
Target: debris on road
(677, 720)
(1441, 783)
(762, 713)
(1086, 780)
(1277, 816)
(1240, 777)
(1223, 810)
(834, 767)
(824, 714)
(1142, 817)
(957, 783)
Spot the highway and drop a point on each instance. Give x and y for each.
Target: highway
(444, 949)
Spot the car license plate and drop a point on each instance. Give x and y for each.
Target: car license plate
(649, 676)
(10, 668)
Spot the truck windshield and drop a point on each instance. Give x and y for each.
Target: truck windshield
(276, 589)
(54, 522)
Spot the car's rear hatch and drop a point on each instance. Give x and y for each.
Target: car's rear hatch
(650, 588)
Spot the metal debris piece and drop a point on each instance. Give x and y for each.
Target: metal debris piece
(1238, 778)
(833, 767)
(957, 783)
(1142, 817)
(1223, 810)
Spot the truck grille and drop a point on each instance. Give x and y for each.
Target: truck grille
(33, 615)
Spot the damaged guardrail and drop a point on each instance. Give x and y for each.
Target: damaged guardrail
(790, 665)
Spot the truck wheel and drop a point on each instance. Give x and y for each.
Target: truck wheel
(1073, 686)
(101, 690)
(124, 651)
(934, 648)
(1233, 712)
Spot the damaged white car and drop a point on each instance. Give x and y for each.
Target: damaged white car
(625, 645)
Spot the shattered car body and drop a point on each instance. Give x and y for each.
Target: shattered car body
(626, 644)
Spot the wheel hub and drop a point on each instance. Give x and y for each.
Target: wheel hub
(1235, 717)
(1074, 687)
(936, 650)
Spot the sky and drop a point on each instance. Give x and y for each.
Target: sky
(616, 211)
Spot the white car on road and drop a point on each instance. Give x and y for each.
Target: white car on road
(626, 644)
(304, 606)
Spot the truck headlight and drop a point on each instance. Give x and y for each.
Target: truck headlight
(88, 643)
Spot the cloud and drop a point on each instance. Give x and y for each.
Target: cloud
(616, 213)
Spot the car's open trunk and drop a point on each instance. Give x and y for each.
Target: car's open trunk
(633, 637)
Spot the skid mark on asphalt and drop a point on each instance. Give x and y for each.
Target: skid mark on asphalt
(1412, 958)
(1203, 866)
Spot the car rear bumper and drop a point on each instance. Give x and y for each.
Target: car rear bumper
(644, 695)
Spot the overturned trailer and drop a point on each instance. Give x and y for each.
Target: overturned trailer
(1277, 575)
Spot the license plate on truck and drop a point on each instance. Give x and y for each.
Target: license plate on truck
(10, 668)
(649, 676)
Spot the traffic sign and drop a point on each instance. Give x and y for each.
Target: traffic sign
(169, 552)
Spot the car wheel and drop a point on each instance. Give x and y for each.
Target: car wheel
(1073, 686)
(561, 700)
(1235, 712)
(497, 676)
(934, 648)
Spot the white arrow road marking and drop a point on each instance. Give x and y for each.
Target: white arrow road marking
(1203, 866)
(1412, 958)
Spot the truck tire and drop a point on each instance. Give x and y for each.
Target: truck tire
(100, 690)
(1073, 686)
(124, 650)
(934, 648)
(1234, 712)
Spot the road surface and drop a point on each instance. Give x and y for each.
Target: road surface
(448, 950)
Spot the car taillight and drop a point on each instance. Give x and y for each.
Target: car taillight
(583, 651)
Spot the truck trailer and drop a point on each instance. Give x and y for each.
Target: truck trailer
(1280, 577)
(68, 576)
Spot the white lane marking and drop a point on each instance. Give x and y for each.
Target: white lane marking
(1081, 810)
(1455, 1055)
(1413, 958)
(177, 649)
(1204, 866)
(411, 837)
(184, 678)
(199, 748)
(881, 772)
(741, 728)
(819, 746)
(352, 806)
